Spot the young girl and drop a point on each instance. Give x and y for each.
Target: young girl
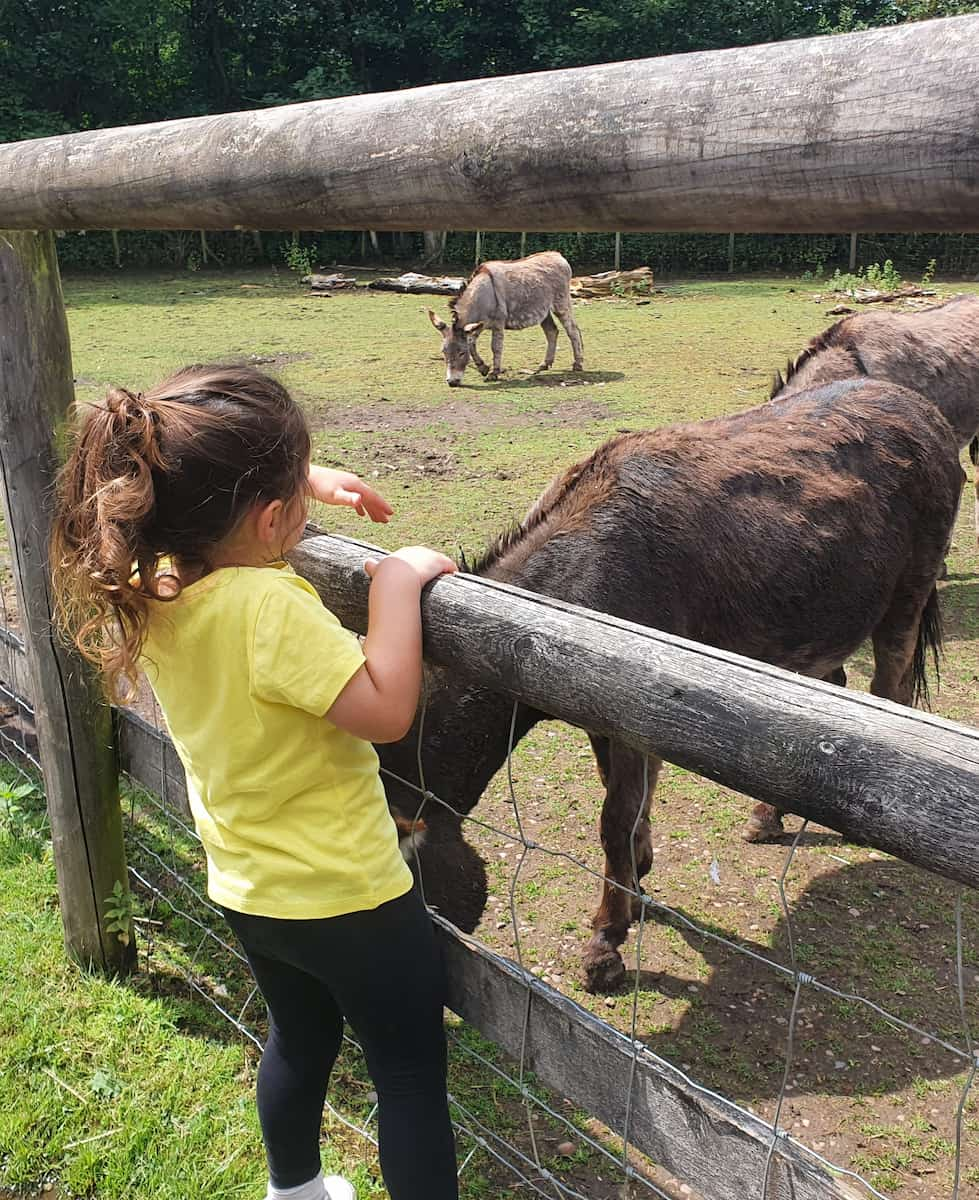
(175, 511)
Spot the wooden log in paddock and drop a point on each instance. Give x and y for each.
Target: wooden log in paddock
(73, 723)
(874, 130)
(903, 781)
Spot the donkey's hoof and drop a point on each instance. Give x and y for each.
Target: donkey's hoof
(493, 374)
(543, 367)
(579, 367)
(759, 830)
(604, 973)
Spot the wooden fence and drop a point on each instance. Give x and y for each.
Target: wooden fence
(875, 130)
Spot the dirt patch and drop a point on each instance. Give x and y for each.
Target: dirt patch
(274, 360)
(396, 456)
(465, 415)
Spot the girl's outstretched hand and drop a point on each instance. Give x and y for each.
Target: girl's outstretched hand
(344, 487)
(426, 564)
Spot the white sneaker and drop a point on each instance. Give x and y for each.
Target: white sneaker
(338, 1188)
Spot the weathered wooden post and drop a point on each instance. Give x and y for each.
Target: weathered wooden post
(479, 246)
(730, 253)
(853, 252)
(74, 725)
(618, 251)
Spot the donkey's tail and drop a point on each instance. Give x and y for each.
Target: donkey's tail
(929, 638)
(974, 451)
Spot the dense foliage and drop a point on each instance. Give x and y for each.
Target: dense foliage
(78, 64)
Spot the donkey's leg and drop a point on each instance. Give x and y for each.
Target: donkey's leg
(497, 353)
(566, 317)
(977, 498)
(895, 640)
(765, 822)
(477, 358)
(550, 332)
(627, 859)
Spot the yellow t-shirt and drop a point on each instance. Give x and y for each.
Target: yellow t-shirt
(290, 809)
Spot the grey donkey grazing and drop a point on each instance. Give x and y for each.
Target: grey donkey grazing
(508, 295)
(933, 351)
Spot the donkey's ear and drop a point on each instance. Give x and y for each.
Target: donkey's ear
(777, 384)
(473, 328)
(439, 325)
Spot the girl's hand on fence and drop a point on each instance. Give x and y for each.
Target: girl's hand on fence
(379, 702)
(426, 564)
(344, 487)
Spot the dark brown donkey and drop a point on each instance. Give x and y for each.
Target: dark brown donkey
(934, 351)
(789, 533)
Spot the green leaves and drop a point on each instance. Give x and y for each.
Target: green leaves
(120, 907)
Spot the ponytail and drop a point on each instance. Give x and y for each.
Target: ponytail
(165, 475)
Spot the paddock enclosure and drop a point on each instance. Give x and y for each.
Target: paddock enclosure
(860, 132)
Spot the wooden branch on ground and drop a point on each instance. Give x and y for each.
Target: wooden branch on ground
(612, 283)
(874, 130)
(420, 285)
(329, 283)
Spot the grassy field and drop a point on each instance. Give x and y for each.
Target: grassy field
(136, 1090)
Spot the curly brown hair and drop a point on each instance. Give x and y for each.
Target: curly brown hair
(165, 475)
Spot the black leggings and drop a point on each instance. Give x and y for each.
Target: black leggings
(381, 971)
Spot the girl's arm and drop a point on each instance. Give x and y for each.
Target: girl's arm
(344, 487)
(379, 702)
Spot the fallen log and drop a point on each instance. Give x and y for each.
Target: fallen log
(612, 283)
(420, 285)
(329, 283)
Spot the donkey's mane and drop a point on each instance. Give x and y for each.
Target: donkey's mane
(458, 296)
(820, 342)
(831, 337)
(581, 484)
(512, 536)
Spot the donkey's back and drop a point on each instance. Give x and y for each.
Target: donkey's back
(934, 351)
(519, 293)
(786, 533)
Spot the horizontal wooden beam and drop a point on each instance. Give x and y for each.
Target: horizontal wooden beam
(901, 780)
(876, 131)
(718, 1148)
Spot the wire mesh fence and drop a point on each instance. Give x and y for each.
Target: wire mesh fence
(190, 940)
(21, 781)
(519, 1136)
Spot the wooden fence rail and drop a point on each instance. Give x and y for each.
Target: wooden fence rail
(901, 780)
(874, 130)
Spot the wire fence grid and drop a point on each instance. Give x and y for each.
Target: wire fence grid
(182, 934)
